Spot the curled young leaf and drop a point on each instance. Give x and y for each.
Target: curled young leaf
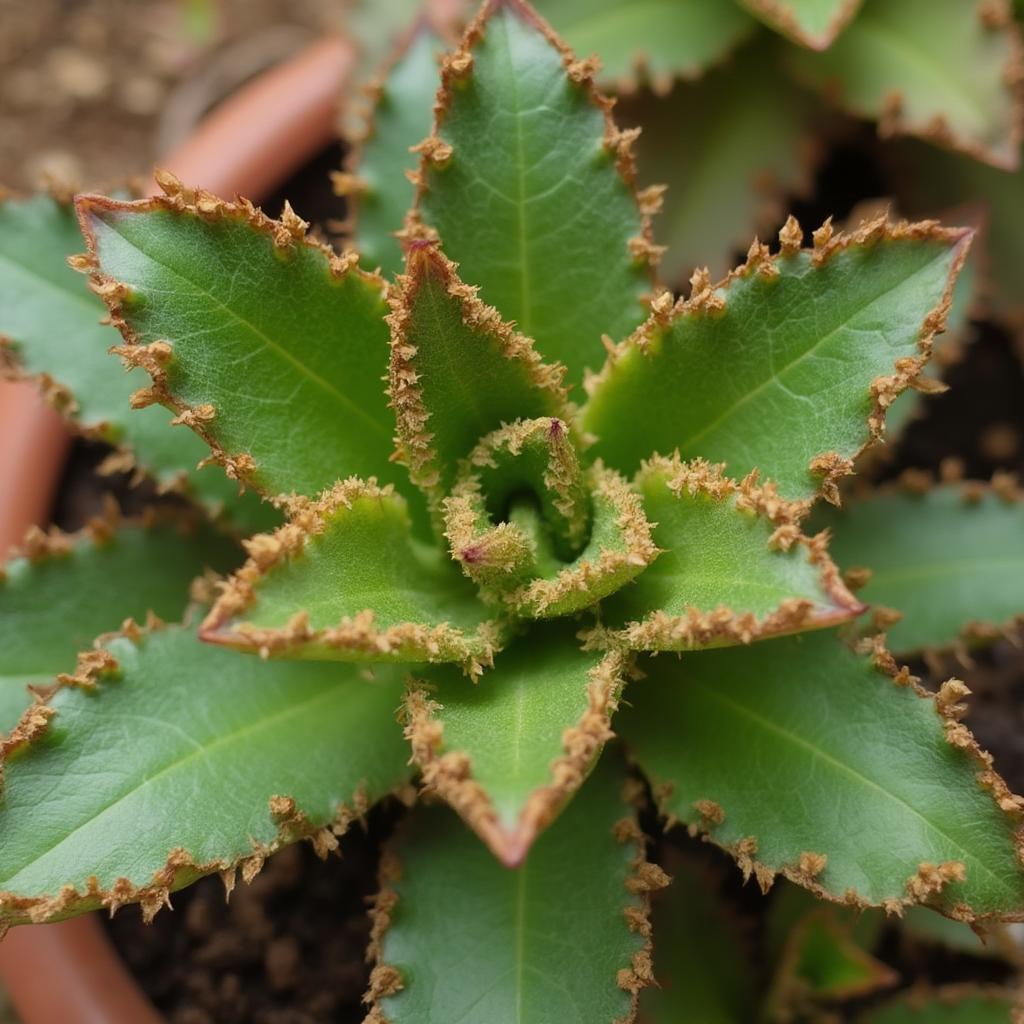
(346, 580)
(507, 754)
(459, 937)
(949, 559)
(789, 365)
(833, 768)
(174, 760)
(531, 188)
(618, 550)
(533, 456)
(734, 568)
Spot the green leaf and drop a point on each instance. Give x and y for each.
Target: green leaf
(530, 186)
(701, 962)
(928, 182)
(811, 23)
(51, 331)
(346, 580)
(507, 754)
(956, 1005)
(940, 69)
(805, 758)
(822, 963)
(267, 344)
(730, 150)
(459, 937)
(951, 560)
(654, 41)
(734, 566)
(458, 372)
(63, 590)
(180, 761)
(378, 191)
(789, 366)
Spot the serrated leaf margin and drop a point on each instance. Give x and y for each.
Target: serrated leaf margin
(407, 641)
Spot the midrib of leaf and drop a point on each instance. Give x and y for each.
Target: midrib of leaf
(526, 320)
(967, 103)
(265, 338)
(947, 569)
(273, 719)
(828, 759)
(778, 374)
(520, 937)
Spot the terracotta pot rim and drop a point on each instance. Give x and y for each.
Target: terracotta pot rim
(248, 145)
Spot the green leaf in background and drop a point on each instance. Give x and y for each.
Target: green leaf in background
(958, 1004)
(811, 23)
(702, 965)
(63, 590)
(508, 753)
(789, 367)
(458, 371)
(180, 761)
(459, 937)
(266, 343)
(378, 191)
(821, 964)
(346, 580)
(881, 803)
(653, 41)
(530, 187)
(939, 69)
(734, 566)
(951, 560)
(730, 150)
(928, 182)
(50, 323)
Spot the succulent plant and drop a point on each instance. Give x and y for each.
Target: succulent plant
(573, 490)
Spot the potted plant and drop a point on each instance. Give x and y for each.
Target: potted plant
(520, 530)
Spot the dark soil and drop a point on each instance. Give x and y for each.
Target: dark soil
(286, 949)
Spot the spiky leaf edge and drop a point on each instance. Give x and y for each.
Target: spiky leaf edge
(413, 449)
(286, 234)
(706, 299)
(645, 878)
(778, 15)
(407, 641)
(449, 773)
(660, 631)
(930, 879)
(435, 152)
(977, 632)
(180, 869)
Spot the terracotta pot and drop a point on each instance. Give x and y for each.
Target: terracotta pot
(249, 144)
